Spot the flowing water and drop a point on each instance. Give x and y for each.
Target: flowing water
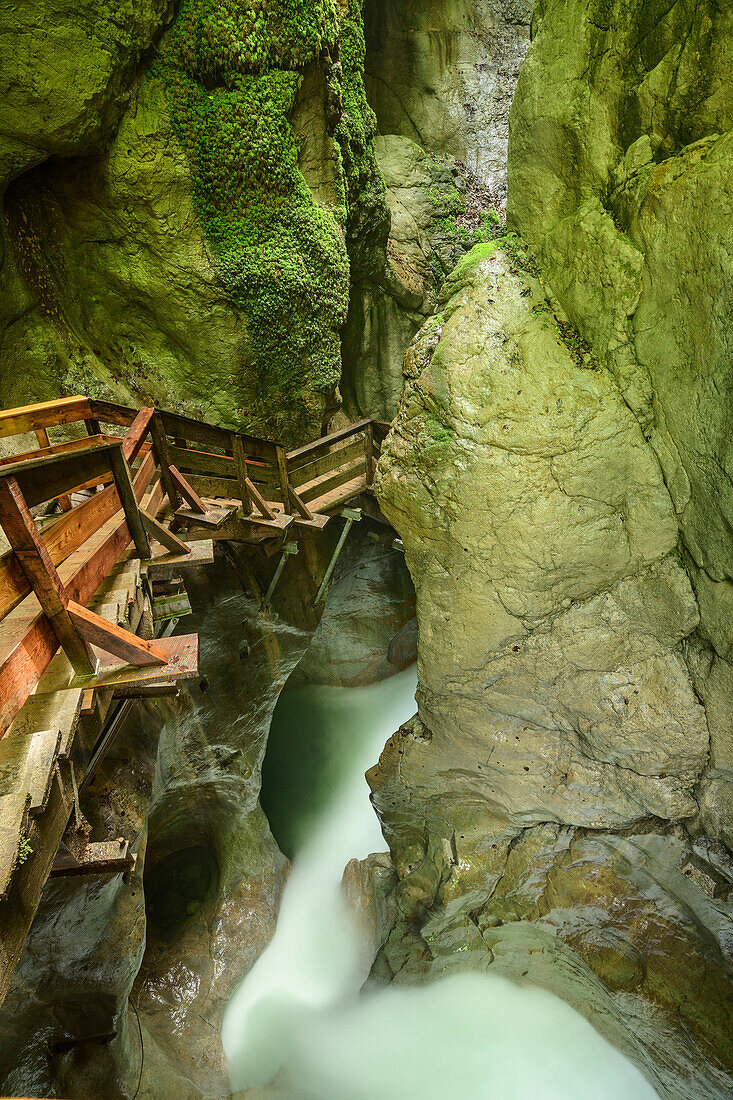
(299, 1019)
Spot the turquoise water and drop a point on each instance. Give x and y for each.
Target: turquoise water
(298, 1019)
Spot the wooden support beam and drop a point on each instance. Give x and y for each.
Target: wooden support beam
(240, 466)
(31, 552)
(185, 490)
(282, 469)
(112, 638)
(352, 516)
(92, 425)
(126, 492)
(289, 549)
(165, 537)
(264, 507)
(300, 506)
(162, 454)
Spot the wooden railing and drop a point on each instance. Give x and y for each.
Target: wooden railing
(207, 472)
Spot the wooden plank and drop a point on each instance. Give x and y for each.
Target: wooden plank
(213, 517)
(135, 436)
(126, 493)
(105, 857)
(312, 450)
(243, 528)
(319, 486)
(186, 491)
(165, 566)
(206, 486)
(111, 413)
(72, 446)
(45, 414)
(42, 479)
(202, 462)
(200, 432)
(13, 824)
(165, 537)
(44, 441)
(339, 456)
(58, 709)
(29, 548)
(341, 495)
(182, 654)
(113, 639)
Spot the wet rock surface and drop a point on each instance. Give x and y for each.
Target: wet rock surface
(555, 694)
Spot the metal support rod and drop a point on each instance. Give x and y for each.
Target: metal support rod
(288, 549)
(353, 515)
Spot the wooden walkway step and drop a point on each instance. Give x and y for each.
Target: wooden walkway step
(341, 495)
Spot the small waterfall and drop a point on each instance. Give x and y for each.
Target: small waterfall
(298, 1019)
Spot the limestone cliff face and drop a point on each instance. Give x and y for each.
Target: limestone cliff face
(556, 707)
(560, 808)
(203, 259)
(620, 178)
(440, 77)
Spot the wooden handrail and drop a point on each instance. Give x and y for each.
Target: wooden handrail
(45, 414)
(326, 441)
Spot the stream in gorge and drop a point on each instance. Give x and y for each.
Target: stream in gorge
(298, 1027)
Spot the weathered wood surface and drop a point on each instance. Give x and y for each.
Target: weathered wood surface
(47, 414)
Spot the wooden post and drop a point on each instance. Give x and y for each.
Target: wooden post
(126, 492)
(240, 466)
(369, 449)
(93, 426)
(162, 454)
(135, 434)
(352, 516)
(282, 468)
(35, 561)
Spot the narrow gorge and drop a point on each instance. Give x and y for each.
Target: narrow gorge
(487, 244)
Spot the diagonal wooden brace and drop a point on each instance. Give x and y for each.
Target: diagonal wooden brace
(35, 561)
(165, 537)
(112, 638)
(186, 491)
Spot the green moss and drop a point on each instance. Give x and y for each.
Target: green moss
(232, 70)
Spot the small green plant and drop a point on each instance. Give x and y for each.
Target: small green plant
(24, 850)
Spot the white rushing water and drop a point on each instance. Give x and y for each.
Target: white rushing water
(298, 1016)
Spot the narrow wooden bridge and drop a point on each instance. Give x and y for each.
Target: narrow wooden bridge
(101, 529)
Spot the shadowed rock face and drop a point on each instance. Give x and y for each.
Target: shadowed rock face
(556, 706)
(440, 77)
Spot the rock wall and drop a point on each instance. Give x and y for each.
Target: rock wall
(544, 808)
(203, 260)
(440, 77)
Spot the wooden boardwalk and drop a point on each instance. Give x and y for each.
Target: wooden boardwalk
(140, 496)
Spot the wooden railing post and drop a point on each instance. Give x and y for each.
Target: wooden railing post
(126, 492)
(282, 468)
(162, 454)
(369, 453)
(242, 472)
